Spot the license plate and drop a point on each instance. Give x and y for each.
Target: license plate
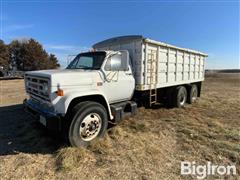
(43, 120)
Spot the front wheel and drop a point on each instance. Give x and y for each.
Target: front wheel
(89, 122)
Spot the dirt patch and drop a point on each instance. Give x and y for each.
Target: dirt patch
(150, 145)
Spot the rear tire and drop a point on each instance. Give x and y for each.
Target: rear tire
(180, 97)
(1, 74)
(193, 94)
(89, 122)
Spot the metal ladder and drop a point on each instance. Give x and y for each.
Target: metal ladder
(152, 70)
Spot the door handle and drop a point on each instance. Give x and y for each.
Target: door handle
(129, 74)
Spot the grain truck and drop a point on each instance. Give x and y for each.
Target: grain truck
(108, 83)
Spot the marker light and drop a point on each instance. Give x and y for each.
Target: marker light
(59, 92)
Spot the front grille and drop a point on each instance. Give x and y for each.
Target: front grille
(35, 87)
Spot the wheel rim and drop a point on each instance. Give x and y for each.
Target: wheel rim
(90, 127)
(182, 99)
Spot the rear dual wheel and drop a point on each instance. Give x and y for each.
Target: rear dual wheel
(193, 94)
(180, 96)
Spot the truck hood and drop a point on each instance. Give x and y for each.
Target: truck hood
(67, 77)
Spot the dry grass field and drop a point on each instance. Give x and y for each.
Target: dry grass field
(150, 145)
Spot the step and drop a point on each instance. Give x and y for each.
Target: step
(153, 102)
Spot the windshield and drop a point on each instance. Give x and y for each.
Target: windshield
(90, 60)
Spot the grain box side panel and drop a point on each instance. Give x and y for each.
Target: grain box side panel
(174, 66)
(150, 64)
(162, 65)
(179, 66)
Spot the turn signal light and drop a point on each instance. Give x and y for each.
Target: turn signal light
(59, 92)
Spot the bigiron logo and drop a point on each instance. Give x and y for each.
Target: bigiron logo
(202, 171)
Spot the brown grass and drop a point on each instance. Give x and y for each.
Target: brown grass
(150, 145)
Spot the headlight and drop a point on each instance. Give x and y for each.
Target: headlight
(45, 88)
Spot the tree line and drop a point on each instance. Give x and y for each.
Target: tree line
(26, 55)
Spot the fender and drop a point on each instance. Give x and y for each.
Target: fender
(61, 104)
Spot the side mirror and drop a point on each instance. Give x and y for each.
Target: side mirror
(125, 60)
(113, 63)
(118, 62)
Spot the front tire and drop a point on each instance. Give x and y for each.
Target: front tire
(89, 122)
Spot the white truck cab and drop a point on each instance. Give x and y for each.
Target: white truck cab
(103, 77)
(107, 84)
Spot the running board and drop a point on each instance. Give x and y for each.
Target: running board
(123, 110)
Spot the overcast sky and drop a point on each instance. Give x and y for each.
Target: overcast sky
(69, 27)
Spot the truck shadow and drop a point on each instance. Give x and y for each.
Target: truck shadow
(19, 132)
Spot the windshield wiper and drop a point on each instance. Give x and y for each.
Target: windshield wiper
(84, 67)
